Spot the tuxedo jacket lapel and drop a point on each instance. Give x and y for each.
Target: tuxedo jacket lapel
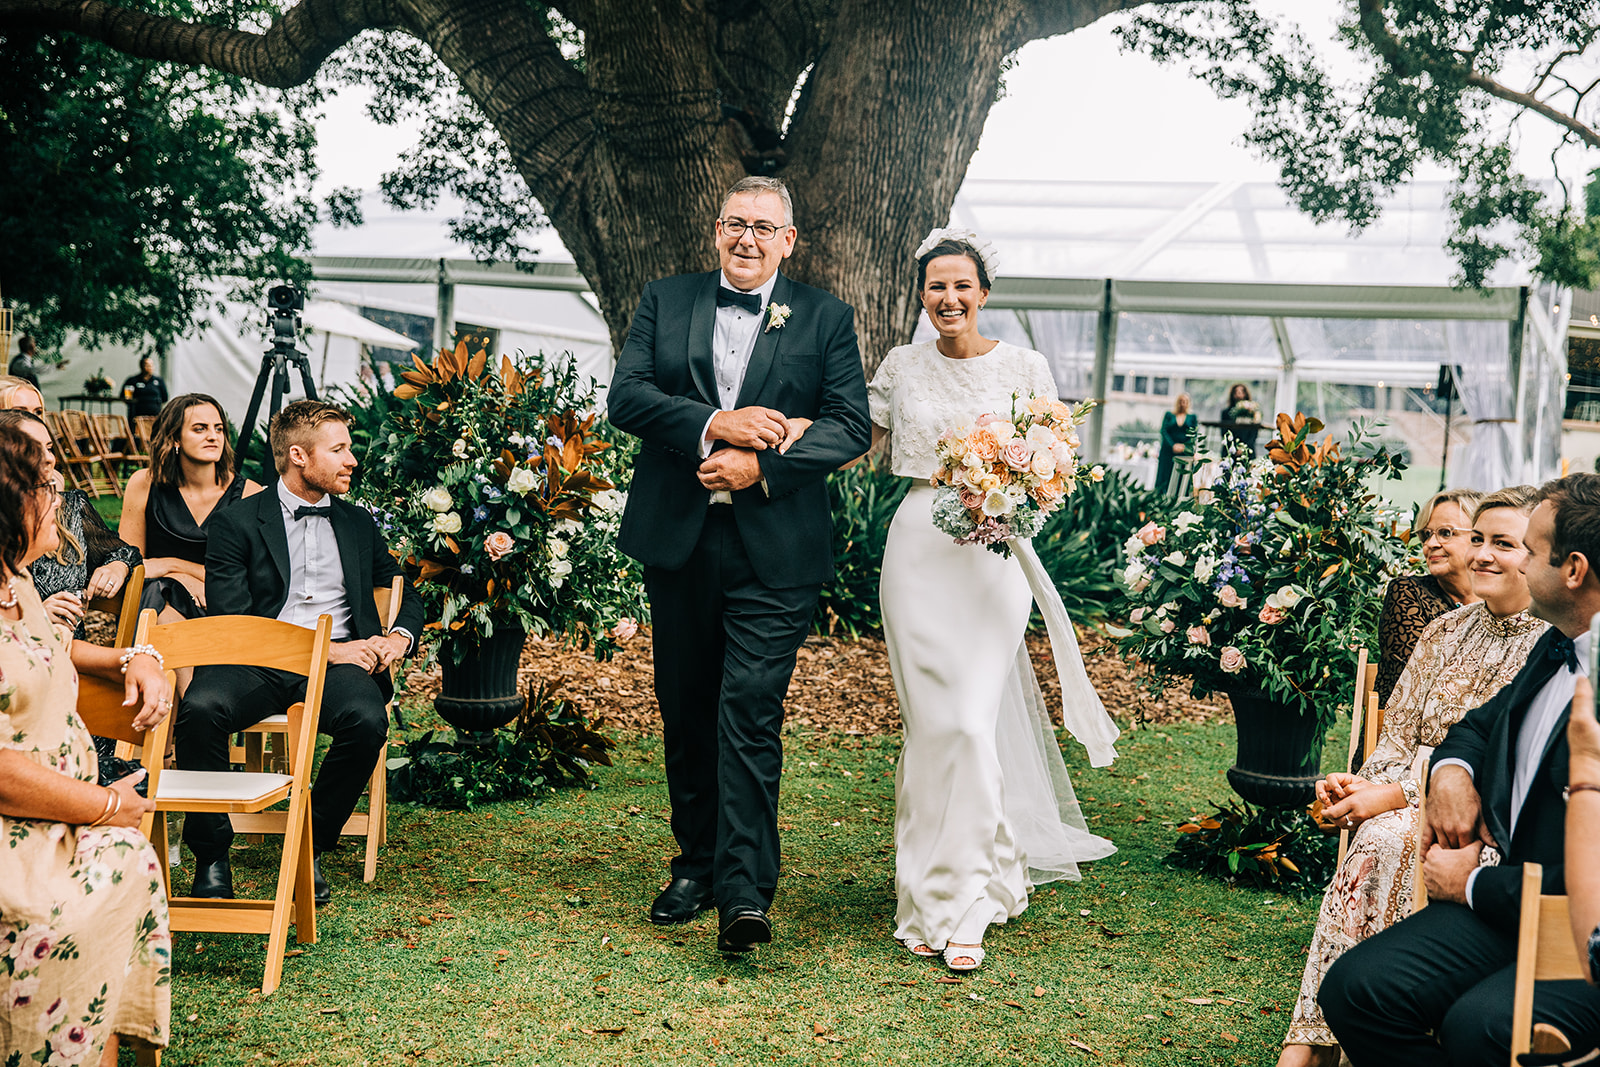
(357, 580)
(1497, 797)
(702, 321)
(767, 341)
(271, 515)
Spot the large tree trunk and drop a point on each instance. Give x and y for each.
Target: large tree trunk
(630, 156)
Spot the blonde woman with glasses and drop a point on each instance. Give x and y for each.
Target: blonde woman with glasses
(1443, 531)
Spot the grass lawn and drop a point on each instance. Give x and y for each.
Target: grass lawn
(515, 935)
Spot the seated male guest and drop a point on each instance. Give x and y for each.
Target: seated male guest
(294, 554)
(1437, 987)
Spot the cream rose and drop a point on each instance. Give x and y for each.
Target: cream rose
(447, 523)
(1002, 430)
(1232, 660)
(1041, 436)
(522, 481)
(1044, 464)
(437, 499)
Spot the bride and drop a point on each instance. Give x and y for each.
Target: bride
(984, 809)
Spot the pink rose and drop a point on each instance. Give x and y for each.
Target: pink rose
(1270, 615)
(1167, 626)
(625, 629)
(36, 945)
(970, 498)
(1137, 615)
(1232, 660)
(1229, 597)
(498, 544)
(1198, 636)
(1018, 454)
(985, 419)
(1150, 533)
(71, 1044)
(22, 991)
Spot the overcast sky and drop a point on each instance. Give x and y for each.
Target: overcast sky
(1076, 108)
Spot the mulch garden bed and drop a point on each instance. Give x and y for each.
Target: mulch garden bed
(840, 685)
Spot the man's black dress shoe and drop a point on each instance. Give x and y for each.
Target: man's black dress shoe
(320, 893)
(680, 902)
(212, 879)
(741, 928)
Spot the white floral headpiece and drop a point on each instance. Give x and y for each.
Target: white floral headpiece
(985, 249)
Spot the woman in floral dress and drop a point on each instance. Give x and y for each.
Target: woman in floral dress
(1462, 659)
(84, 944)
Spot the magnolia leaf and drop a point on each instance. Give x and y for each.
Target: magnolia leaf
(1332, 568)
(475, 368)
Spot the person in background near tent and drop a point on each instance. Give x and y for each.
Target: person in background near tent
(1176, 426)
(1241, 416)
(25, 364)
(145, 392)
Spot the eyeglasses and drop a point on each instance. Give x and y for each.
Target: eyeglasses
(763, 231)
(1444, 533)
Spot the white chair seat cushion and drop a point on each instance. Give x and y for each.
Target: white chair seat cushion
(280, 720)
(218, 785)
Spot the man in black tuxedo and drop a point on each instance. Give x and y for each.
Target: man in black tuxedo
(294, 552)
(1498, 780)
(728, 511)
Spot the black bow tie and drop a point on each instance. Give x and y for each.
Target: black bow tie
(1562, 649)
(308, 511)
(732, 298)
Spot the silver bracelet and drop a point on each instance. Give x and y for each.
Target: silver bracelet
(141, 650)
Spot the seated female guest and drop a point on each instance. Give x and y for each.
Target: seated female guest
(1442, 530)
(168, 507)
(1462, 658)
(83, 915)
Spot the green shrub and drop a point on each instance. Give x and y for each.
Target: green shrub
(1268, 848)
(864, 499)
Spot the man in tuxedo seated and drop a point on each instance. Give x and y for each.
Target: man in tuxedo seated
(295, 553)
(1437, 987)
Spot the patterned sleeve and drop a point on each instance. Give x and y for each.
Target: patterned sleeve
(1391, 759)
(880, 393)
(1042, 382)
(102, 546)
(1405, 613)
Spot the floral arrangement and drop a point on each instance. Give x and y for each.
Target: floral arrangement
(1243, 411)
(1000, 478)
(97, 384)
(499, 497)
(1271, 578)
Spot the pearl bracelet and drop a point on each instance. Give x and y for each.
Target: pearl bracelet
(141, 650)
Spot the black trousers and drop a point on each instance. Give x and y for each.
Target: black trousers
(725, 648)
(224, 700)
(1444, 972)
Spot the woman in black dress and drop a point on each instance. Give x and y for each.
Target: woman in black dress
(167, 506)
(1241, 418)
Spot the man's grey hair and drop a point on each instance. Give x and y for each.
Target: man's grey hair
(757, 184)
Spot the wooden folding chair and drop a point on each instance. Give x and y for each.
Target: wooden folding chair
(144, 428)
(1545, 953)
(125, 606)
(100, 708)
(77, 453)
(247, 640)
(113, 432)
(372, 824)
(1366, 722)
(1419, 888)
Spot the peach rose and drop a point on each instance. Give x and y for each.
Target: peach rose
(625, 629)
(983, 445)
(1167, 626)
(1137, 615)
(1049, 494)
(1018, 454)
(1229, 597)
(498, 544)
(1232, 660)
(1199, 636)
(1271, 616)
(1044, 464)
(1150, 533)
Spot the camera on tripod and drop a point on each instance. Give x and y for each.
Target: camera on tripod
(284, 304)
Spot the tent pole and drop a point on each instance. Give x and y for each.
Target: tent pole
(1105, 343)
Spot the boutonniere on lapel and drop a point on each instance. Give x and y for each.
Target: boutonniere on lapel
(777, 315)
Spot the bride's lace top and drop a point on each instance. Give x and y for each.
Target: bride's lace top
(918, 394)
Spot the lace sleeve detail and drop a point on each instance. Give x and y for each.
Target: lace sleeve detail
(102, 546)
(880, 394)
(1391, 759)
(1407, 609)
(1042, 383)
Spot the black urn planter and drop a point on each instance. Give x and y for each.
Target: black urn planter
(480, 694)
(1280, 751)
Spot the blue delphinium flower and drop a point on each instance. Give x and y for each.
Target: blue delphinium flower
(480, 513)
(491, 492)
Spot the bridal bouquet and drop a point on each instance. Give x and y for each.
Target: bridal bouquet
(1001, 477)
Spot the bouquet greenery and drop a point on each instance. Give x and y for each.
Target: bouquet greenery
(1273, 576)
(498, 496)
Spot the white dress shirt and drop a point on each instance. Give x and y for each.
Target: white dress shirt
(733, 338)
(316, 571)
(1532, 738)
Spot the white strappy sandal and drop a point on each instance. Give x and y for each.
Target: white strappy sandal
(918, 948)
(959, 952)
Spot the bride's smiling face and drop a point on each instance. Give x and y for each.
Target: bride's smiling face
(951, 295)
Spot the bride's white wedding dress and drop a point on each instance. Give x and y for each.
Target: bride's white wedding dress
(984, 809)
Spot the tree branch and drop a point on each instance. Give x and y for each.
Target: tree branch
(288, 54)
(1048, 18)
(1406, 64)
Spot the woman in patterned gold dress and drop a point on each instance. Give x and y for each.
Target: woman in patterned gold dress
(1462, 658)
(84, 945)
